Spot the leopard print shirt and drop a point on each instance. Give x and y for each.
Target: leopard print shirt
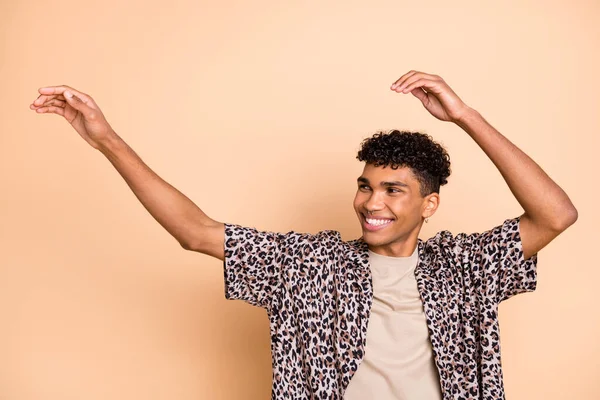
(317, 292)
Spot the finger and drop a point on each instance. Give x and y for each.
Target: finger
(51, 102)
(79, 104)
(55, 102)
(51, 110)
(420, 94)
(413, 78)
(409, 80)
(44, 98)
(403, 78)
(60, 90)
(423, 83)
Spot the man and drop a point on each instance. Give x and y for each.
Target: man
(418, 317)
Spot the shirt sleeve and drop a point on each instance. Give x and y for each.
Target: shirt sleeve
(254, 263)
(497, 257)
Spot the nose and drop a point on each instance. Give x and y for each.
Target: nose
(374, 203)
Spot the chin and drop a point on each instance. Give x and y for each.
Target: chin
(374, 240)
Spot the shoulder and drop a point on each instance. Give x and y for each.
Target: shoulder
(240, 235)
(447, 241)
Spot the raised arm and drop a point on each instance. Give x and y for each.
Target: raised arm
(548, 210)
(188, 224)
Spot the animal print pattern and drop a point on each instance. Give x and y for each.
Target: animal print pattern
(317, 291)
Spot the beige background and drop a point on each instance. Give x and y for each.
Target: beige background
(255, 111)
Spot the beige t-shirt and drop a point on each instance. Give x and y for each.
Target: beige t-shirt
(398, 362)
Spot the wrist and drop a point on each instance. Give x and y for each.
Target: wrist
(466, 117)
(109, 144)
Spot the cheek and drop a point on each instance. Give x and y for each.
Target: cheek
(403, 206)
(357, 200)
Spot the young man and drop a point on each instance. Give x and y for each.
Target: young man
(387, 316)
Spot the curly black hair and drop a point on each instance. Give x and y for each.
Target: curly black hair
(428, 160)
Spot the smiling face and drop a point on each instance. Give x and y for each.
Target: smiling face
(391, 209)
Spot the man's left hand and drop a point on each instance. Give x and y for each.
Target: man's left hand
(435, 94)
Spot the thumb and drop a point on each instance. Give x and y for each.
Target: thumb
(77, 103)
(421, 95)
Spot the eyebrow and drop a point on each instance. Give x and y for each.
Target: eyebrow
(362, 179)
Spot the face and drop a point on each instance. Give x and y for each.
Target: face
(391, 209)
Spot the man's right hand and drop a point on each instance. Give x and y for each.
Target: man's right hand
(183, 219)
(78, 109)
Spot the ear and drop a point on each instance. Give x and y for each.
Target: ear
(430, 205)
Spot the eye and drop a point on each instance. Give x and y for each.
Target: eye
(394, 190)
(364, 188)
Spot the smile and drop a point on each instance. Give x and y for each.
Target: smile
(374, 224)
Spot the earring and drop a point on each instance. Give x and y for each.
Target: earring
(426, 219)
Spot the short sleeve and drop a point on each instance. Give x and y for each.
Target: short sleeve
(254, 263)
(497, 256)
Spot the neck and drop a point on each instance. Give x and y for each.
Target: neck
(401, 248)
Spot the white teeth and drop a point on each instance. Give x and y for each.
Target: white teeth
(377, 222)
